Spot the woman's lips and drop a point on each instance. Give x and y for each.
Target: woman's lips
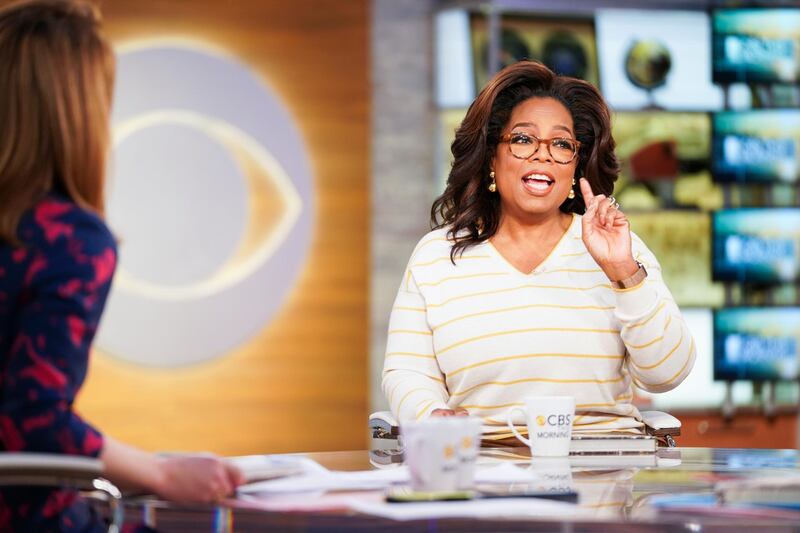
(537, 184)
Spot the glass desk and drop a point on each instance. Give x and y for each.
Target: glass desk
(673, 491)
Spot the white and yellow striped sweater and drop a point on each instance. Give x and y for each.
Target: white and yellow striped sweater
(482, 335)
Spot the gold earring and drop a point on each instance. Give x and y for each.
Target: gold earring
(571, 194)
(493, 184)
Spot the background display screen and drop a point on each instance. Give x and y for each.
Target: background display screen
(756, 45)
(756, 343)
(759, 246)
(756, 146)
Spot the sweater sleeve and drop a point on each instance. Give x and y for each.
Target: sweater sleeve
(67, 280)
(660, 347)
(412, 380)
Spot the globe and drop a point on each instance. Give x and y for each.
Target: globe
(647, 63)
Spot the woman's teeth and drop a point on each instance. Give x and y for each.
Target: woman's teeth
(537, 181)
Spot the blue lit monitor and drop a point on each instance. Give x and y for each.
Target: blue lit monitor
(756, 45)
(756, 146)
(758, 246)
(756, 343)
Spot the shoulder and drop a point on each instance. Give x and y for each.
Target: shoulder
(59, 236)
(431, 247)
(56, 221)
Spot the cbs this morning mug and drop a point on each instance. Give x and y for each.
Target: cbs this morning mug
(549, 420)
(441, 452)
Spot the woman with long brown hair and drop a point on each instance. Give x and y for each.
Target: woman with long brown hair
(531, 282)
(57, 258)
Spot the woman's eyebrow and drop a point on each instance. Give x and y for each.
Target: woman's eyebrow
(532, 125)
(563, 128)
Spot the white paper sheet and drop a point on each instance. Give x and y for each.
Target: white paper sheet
(264, 467)
(319, 479)
(327, 480)
(494, 508)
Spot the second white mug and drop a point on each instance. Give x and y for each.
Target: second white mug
(441, 452)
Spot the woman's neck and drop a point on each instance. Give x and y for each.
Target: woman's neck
(530, 230)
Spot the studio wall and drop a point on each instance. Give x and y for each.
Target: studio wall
(239, 193)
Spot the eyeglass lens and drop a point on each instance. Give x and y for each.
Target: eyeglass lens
(524, 146)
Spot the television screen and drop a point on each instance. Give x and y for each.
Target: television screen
(756, 146)
(566, 45)
(756, 245)
(756, 343)
(756, 45)
(656, 59)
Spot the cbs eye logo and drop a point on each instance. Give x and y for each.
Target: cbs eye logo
(554, 420)
(211, 196)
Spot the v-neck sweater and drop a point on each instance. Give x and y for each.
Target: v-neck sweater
(481, 335)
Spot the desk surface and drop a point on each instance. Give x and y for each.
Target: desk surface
(674, 491)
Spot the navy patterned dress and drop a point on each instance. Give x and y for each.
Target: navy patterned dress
(52, 291)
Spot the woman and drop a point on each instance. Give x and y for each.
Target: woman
(531, 282)
(57, 259)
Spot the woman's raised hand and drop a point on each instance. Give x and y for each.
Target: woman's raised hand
(607, 234)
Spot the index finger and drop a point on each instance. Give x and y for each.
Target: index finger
(586, 191)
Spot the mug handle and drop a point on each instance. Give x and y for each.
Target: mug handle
(511, 424)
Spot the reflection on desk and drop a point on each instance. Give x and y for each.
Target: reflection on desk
(675, 489)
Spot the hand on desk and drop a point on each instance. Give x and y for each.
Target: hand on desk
(458, 411)
(197, 478)
(186, 478)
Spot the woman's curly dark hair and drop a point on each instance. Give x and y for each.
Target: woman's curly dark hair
(467, 206)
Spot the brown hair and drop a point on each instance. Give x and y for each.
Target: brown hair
(466, 204)
(56, 82)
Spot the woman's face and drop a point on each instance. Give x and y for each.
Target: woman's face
(535, 187)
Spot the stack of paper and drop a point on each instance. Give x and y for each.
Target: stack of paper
(496, 508)
(316, 478)
(263, 467)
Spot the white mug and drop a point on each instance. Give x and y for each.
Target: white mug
(441, 452)
(549, 420)
(468, 430)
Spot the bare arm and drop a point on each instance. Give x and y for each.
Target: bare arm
(180, 478)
